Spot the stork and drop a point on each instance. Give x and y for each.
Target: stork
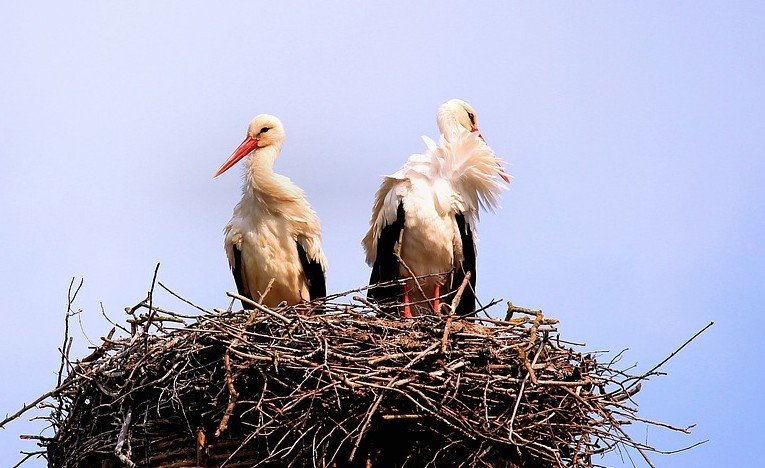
(274, 237)
(424, 216)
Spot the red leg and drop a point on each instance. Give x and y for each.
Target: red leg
(407, 308)
(437, 298)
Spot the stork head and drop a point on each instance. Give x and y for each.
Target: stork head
(455, 116)
(264, 131)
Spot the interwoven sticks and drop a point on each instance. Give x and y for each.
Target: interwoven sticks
(335, 384)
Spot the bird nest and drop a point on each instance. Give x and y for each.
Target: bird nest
(338, 383)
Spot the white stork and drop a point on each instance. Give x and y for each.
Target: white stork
(424, 216)
(274, 234)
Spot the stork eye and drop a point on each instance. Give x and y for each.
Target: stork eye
(264, 129)
(471, 117)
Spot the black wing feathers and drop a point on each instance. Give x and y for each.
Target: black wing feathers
(386, 265)
(236, 269)
(467, 303)
(314, 274)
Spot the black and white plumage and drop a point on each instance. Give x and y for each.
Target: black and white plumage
(426, 214)
(273, 234)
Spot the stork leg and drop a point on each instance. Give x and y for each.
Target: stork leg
(437, 298)
(407, 308)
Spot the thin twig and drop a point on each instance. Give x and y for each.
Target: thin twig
(452, 311)
(259, 307)
(674, 353)
(150, 301)
(397, 253)
(70, 297)
(39, 399)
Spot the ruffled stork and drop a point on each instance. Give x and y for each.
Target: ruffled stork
(424, 216)
(274, 235)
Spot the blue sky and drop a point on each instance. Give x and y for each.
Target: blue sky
(635, 134)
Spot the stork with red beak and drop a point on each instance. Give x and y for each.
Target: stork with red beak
(424, 217)
(274, 235)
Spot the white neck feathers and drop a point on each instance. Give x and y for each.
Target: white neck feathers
(260, 178)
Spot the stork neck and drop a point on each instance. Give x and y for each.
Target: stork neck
(260, 172)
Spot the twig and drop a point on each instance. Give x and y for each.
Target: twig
(370, 304)
(232, 395)
(259, 307)
(182, 299)
(70, 297)
(452, 309)
(512, 308)
(397, 253)
(657, 366)
(39, 399)
(266, 291)
(150, 301)
(520, 395)
(122, 437)
(28, 455)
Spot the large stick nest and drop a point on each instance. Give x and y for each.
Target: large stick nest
(338, 384)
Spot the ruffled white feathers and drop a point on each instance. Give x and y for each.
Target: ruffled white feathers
(462, 175)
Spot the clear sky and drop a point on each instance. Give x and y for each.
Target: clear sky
(635, 133)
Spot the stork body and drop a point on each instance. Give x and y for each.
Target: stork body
(273, 235)
(424, 216)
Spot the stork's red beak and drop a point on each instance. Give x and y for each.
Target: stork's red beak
(243, 150)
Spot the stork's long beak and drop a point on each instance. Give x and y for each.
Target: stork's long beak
(243, 150)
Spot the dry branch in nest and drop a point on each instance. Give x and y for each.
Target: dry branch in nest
(339, 384)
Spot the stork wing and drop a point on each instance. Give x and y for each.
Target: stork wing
(386, 265)
(314, 274)
(467, 303)
(237, 269)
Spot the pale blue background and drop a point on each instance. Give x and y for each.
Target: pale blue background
(634, 132)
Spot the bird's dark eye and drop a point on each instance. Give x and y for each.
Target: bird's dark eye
(471, 117)
(264, 129)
